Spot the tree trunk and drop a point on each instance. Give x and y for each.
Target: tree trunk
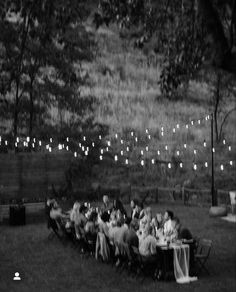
(31, 114)
(15, 116)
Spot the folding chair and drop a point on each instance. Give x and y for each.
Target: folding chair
(202, 255)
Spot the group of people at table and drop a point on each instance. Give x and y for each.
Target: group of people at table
(140, 228)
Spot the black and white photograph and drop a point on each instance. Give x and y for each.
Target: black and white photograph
(117, 145)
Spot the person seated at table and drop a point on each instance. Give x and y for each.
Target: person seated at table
(169, 225)
(56, 212)
(106, 205)
(133, 213)
(103, 220)
(91, 228)
(74, 212)
(182, 232)
(117, 205)
(130, 236)
(80, 222)
(116, 234)
(147, 218)
(147, 243)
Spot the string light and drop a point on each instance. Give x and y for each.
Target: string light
(107, 149)
(191, 122)
(195, 166)
(93, 144)
(82, 148)
(67, 148)
(206, 164)
(136, 139)
(121, 141)
(229, 148)
(126, 161)
(153, 161)
(173, 130)
(127, 149)
(224, 141)
(186, 126)
(59, 146)
(185, 146)
(147, 148)
(17, 140)
(204, 143)
(158, 152)
(100, 138)
(149, 137)
(50, 140)
(49, 149)
(162, 133)
(100, 151)
(195, 152)
(231, 162)
(116, 135)
(109, 143)
(121, 152)
(199, 122)
(15, 144)
(177, 126)
(132, 134)
(84, 138)
(116, 157)
(34, 140)
(75, 154)
(169, 165)
(40, 143)
(222, 167)
(181, 164)
(177, 153)
(28, 139)
(162, 129)
(166, 147)
(33, 145)
(67, 139)
(142, 162)
(213, 150)
(86, 153)
(147, 131)
(141, 152)
(100, 157)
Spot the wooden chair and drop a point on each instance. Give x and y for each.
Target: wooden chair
(202, 255)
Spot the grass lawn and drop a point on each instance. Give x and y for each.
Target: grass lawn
(47, 265)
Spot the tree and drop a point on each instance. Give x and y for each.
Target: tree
(189, 33)
(42, 47)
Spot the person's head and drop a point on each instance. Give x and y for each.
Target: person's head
(105, 199)
(132, 204)
(169, 215)
(134, 224)
(55, 204)
(93, 216)
(83, 209)
(148, 212)
(177, 223)
(105, 217)
(159, 217)
(76, 205)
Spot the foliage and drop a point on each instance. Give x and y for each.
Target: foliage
(42, 47)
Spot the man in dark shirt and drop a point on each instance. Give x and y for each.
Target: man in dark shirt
(130, 236)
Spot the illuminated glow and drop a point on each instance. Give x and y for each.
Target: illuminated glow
(100, 137)
(181, 164)
(126, 161)
(122, 152)
(169, 165)
(231, 162)
(177, 126)
(195, 151)
(67, 139)
(195, 167)
(108, 143)
(146, 148)
(162, 134)
(28, 139)
(136, 139)
(204, 143)
(82, 148)
(186, 126)
(149, 137)
(86, 153)
(199, 122)
(121, 141)
(33, 145)
(80, 145)
(206, 164)
(50, 149)
(116, 157)
(40, 143)
(191, 122)
(67, 148)
(174, 130)
(147, 131)
(107, 149)
(132, 134)
(222, 167)
(213, 150)
(101, 151)
(75, 154)
(127, 149)
(100, 157)
(158, 152)
(15, 144)
(162, 129)
(224, 141)
(17, 140)
(177, 152)
(50, 140)
(142, 162)
(166, 147)
(153, 161)
(229, 148)
(93, 144)
(141, 152)
(116, 135)
(84, 138)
